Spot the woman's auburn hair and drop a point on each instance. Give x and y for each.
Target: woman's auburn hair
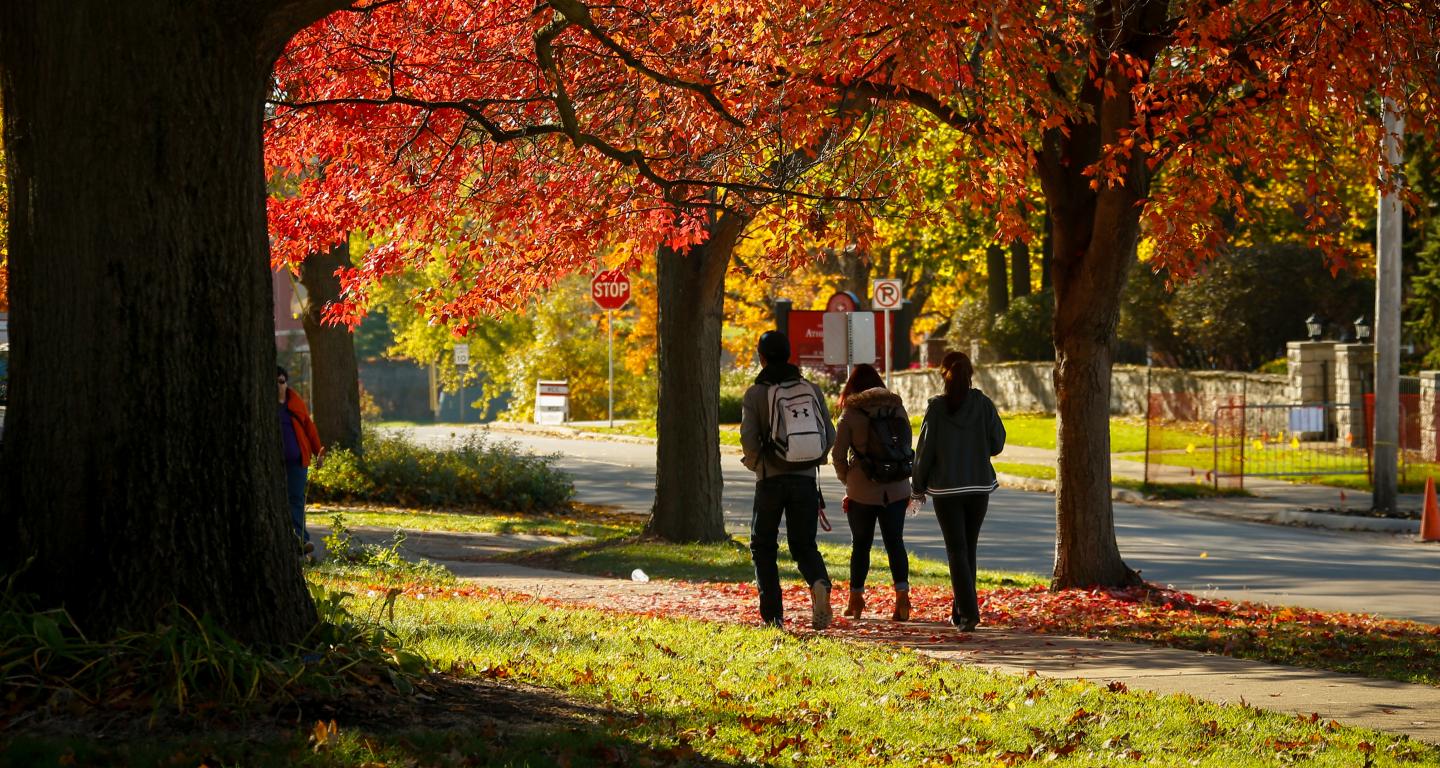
(862, 377)
(957, 371)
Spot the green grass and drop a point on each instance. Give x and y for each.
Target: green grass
(1025, 429)
(1037, 430)
(580, 520)
(729, 433)
(668, 692)
(729, 562)
(1168, 491)
(744, 694)
(1032, 471)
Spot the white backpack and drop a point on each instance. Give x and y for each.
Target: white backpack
(797, 426)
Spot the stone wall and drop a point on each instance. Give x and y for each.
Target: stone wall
(1029, 387)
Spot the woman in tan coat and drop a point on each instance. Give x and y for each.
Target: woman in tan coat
(872, 457)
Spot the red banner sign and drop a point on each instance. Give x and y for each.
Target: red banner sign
(807, 339)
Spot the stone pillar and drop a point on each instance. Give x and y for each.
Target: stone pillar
(1354, 369)
(1429, 411)
(1311, 371)
(1309, 364)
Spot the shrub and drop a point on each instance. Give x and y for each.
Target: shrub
(733, 384)
(1023, 332)
(1279, 365)
(476, 472)
(345, 557)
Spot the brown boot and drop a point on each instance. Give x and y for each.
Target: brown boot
(856, 606)
(902, 605)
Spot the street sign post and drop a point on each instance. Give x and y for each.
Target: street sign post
(887, 295)
(611, 291)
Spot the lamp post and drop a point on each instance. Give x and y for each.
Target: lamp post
(1314, 327)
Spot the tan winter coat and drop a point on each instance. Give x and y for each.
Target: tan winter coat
(850, 438)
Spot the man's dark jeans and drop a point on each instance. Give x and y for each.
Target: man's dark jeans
(296, 476)
(862, 519)
(797, 499)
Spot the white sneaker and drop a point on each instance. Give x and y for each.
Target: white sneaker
(820, 613)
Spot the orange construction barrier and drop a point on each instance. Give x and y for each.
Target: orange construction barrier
(1430, 520)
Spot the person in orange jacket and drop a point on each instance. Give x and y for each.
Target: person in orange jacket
(300, 443)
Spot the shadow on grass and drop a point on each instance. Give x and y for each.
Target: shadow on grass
(454, 721)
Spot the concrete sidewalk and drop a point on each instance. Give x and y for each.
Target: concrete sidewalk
(1400, 708)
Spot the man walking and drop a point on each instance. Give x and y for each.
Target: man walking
(785, 433)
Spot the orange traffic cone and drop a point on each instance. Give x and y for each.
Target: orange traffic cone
(1430, 520)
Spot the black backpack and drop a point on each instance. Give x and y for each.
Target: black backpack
(888, 456)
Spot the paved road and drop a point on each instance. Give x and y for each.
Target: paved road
(1330, 570)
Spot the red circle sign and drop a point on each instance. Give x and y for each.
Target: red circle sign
(610, 289)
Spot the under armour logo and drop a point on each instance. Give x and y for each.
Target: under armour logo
(796, 413)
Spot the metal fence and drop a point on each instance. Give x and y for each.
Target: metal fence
(1290, 441)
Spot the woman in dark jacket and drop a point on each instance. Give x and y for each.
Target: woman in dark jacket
(872, 494)
(960, 433)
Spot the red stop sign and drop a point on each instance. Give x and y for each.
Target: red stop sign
(610, 289)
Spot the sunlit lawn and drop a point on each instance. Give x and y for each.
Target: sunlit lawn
(729, 433)
(581, 520)
(742, 694)
(1150, 490)
(1026, 429)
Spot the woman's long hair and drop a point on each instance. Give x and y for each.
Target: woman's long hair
(863, 377)
(957, 371)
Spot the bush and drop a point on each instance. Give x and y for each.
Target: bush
(1279, 365)
(477, 472)
(1023, 332)
(345, 557)
(733, 384)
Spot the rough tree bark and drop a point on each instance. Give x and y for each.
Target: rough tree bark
(335, 389)
(688, 482)
(141, 459)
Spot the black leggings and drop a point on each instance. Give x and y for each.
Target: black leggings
(960, 518)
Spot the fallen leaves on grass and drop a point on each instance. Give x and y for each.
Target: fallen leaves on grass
(1343, 642)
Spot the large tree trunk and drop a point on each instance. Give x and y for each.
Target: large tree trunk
(1087, 308)
(688, 481)
(335, 389)
(1095, 232)
(140, 466)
